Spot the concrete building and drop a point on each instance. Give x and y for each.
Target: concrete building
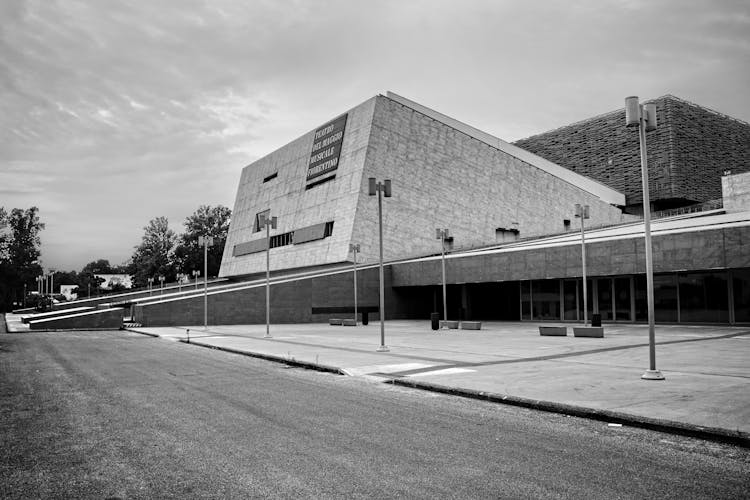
(445, 174)
(516, 253)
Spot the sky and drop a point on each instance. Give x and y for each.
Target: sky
(116, 112)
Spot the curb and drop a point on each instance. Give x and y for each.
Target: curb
(142, 333)
(270, 357)
(736, 438)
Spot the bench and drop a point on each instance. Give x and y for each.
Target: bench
(336, 321)
(553, 331)
(589, 331)
(453, 325)
(349, 322)
(471, 325)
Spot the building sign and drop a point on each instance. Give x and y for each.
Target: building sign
(326, 148)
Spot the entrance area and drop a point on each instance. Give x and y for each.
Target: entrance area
(719, 297)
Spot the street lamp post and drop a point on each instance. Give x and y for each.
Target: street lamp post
(381, 189)
(582, 212)
(161, 285)
(52, 281)
(195, 277)
(206, 241)
(355, 249)
(268, 222)
(443, 235)
(150, 285)
(643, 116)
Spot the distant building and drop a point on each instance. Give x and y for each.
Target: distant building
(67, 291)
(688, 153)
(110, 280)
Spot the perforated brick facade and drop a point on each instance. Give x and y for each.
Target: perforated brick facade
(687, 154)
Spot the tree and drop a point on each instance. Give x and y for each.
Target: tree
(153, 257)
(206, 221)
(19, 253)
(100, 266)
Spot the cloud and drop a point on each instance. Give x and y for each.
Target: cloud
(112, 113)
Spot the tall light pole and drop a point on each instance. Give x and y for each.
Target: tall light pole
(355, 249)
(206, 241)
(161, 285)
(52, 282)
(150, 285)
(582, 212)
(268, 222)
(195, 277)
(442, 235)
(643, 116)
(381, 189)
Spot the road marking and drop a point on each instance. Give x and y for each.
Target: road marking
(364, 370)
(444, 371)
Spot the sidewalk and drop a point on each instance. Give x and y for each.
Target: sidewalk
(707, 369)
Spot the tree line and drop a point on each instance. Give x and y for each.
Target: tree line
(162, 252)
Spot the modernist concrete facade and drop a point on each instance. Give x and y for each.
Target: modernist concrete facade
(444, 174)
(689, 152)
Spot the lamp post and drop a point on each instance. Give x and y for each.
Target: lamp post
(268, 222)
(643, 116)
(381, 189)
(52, 282)
(206, 241)
(150, 285)
(442, 235)
(161, 285)
(39, 284)
(354, 249)
(582, 212)
(195, 277)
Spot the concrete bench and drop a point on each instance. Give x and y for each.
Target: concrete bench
(453, 325)
(349, 322)
(589, 331)
(336, 321)
(471, 325)
(553, 331)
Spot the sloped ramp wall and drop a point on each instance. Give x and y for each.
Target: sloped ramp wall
(103, 319)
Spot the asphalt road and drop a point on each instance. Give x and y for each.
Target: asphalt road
(120, 415)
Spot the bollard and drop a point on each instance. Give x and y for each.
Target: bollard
(188, 335)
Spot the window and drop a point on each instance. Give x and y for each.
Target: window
(258, 216)
(545, 299)
(270, 177)
(319, 182)
(741, 283)
(281, 240)
(704, 298)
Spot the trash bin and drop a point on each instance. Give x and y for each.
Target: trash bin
(365, 319)
(596, 320)
(435, 319)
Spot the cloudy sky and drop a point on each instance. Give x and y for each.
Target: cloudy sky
(114, 112)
